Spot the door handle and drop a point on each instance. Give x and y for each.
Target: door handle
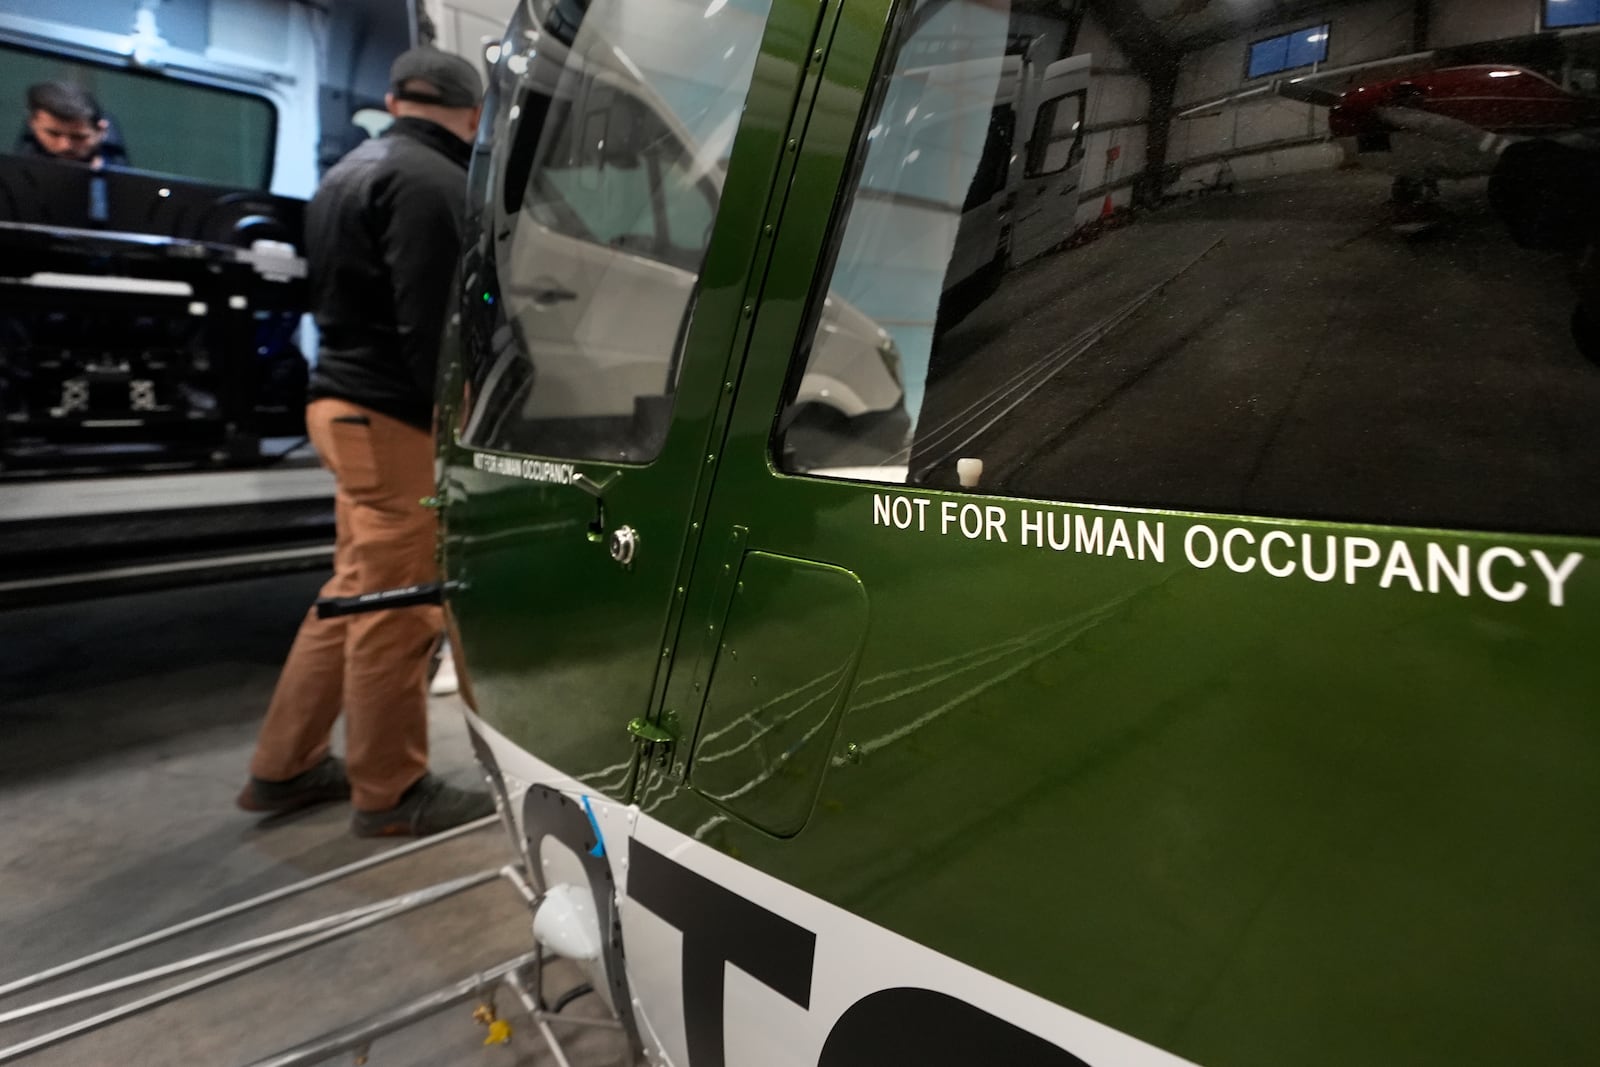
(552, 295)
(333, 607)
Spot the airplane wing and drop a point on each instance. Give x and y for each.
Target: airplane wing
(1305, 93)
(1320, 87)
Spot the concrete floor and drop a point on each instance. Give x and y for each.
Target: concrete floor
(125, 727)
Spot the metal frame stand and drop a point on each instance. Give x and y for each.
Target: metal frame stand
(358, 1037)
(210, 918)
(258, 952)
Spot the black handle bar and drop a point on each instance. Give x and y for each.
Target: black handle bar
(330, 607)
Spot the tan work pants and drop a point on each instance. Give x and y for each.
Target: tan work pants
(373, 666)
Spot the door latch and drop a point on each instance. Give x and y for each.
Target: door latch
(624, 544)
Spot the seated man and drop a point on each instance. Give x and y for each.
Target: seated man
(65, 122)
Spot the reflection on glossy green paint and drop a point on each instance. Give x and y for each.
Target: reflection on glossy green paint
(1243, 821)
(782, 667)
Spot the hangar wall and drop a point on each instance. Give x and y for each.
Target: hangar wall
(1263, 137)
(1456, 22)
(1117, 120)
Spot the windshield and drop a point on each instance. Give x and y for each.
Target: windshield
(153, 123)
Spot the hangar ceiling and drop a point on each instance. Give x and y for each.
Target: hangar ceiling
(1155, 33)
(1190, 24)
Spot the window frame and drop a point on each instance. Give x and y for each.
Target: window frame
(827, 260)
(1039, 148)
(1250, 47)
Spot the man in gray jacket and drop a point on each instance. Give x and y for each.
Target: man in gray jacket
(384, 232)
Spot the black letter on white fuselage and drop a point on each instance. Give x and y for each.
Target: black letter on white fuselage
(932, 1029)
(719, 928)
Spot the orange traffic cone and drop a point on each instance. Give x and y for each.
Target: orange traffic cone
(1107, 209)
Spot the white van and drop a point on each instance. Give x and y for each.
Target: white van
(1021, 203)
(613, 183)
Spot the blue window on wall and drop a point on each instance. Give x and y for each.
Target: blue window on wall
(1310, 45)
(1559, 13)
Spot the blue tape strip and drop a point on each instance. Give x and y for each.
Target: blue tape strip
(599, 842)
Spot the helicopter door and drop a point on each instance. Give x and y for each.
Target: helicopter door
(587, 318)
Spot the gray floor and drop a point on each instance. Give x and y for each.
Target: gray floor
(125, 726)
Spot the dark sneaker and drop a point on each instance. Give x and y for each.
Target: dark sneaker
(322, 784)
(428, 807)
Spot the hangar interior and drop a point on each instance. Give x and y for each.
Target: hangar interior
(1260, 306)
(1155, 60)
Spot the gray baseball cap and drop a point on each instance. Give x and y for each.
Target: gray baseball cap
(456, 79)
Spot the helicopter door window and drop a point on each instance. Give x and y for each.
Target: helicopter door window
(929, 161)
(616, 146)
(1222, 357)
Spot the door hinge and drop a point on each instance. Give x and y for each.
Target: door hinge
(655, 740)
